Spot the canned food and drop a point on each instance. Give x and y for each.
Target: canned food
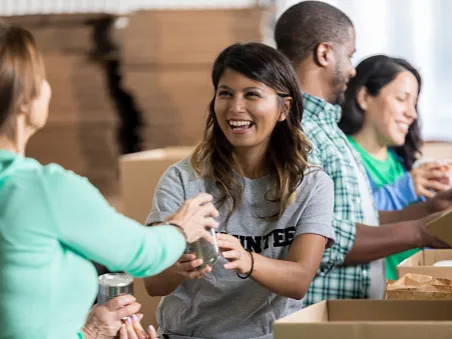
(112, 285)
(204, 250)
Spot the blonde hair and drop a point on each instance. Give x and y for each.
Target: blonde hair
(21, 73)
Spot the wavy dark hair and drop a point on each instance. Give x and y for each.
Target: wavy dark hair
(374, 73)
(288, 147)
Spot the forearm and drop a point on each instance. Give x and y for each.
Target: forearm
(372, 243)
(164, 283)
(411, 212)
(286, 278)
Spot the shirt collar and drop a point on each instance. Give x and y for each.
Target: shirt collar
(321, 110)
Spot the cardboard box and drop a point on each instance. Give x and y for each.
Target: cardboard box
(422, 263)
(369, 319)
(441, 227)
(139, 175)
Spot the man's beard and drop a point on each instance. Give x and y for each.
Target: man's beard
(337, 85)
(339, 97)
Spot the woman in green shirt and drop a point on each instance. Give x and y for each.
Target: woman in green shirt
(53, 222)
(380, 119)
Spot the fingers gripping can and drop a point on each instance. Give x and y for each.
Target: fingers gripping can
(113, 284)
(204, 250)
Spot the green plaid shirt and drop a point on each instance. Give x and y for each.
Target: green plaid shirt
(331, 152)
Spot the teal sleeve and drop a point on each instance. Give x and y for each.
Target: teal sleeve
(88, 225)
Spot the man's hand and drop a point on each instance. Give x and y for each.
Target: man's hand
(426, 239)
(442, 201)
(104, 321)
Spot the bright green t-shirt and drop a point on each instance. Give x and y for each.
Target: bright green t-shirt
(52, 223)
(383, 173)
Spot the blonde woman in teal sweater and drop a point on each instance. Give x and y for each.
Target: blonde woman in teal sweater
(53, 222)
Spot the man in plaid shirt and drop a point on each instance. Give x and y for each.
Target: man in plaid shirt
(320, 41)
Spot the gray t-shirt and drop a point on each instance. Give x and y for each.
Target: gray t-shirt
(221, 305)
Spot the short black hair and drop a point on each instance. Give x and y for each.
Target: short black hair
(374, 73)
(305, 25)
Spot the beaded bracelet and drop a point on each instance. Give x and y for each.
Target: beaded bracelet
(252, 267)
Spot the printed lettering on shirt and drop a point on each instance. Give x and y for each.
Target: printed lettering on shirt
(276, 238)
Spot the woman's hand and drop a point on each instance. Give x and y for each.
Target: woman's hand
(194, 216)
(233, 251)
(430, 178)
(132, 329)
(104, 321)
(186, 267)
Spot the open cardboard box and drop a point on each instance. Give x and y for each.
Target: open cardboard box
(369, 319)
(422, 263)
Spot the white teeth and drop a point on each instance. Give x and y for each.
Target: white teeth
(404, 125)
(239, 123)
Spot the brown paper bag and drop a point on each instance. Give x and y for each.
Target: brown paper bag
(418, 287)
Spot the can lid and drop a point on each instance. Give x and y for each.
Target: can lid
(115, 279)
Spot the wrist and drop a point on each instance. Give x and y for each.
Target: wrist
(430, 206)
(248, 274)
(414, 233)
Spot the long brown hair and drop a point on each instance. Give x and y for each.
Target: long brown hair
(288, 148)
(21, 73)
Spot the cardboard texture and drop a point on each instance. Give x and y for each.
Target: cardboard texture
(441, 227)
(139, 175)
(167, 58)
(369, 319)
(148, 304)
(419, 287)
(422, 263)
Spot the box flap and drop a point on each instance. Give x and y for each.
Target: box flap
(416, 259)
(441, 227)
(167, 153)
(314, 313)
(389, 310)
(422, 263)
(372, 310)
(433, 256)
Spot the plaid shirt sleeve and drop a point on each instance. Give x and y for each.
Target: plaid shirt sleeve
(344, 230)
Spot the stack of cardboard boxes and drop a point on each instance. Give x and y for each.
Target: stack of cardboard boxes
(167, 57)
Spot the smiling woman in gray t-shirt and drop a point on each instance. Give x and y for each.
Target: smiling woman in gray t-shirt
(275, 210)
